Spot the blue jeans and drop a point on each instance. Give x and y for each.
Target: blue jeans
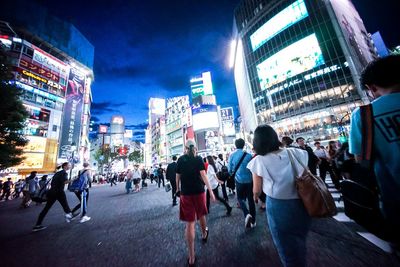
(289, 224)
(245, 192)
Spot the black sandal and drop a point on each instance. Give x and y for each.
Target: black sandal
(204, 239)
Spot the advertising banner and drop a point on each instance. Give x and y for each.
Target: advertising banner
(71, 127)
(228, 126)
(26, 64)
(50, 62)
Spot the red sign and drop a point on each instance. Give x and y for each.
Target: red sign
(38, 70)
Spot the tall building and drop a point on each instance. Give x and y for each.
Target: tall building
(178, 120)
(297, 65)
(206, 117)
(157, 130)
(55, 79)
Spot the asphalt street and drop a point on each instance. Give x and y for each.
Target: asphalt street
(142, 229)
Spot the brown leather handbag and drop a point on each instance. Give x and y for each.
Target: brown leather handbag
(315, 195)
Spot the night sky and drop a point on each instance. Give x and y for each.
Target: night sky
(151, 48)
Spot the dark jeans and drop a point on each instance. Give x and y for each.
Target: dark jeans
(220, 199)
(324, 167)
(159, 181)
(223, 186)
(79, 196)
(6, 193)
(52, 197)
(245, 192)
(112, 182)
(173, 185)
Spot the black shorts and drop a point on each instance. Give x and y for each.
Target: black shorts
(136, 181)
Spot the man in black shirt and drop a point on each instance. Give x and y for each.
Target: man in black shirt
(171, 177)
(56, 193)
(160, 174)
(312, 158)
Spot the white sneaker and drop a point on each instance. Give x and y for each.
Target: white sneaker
(247, 221)
(68, 217)
(252, 225)
(85, 219)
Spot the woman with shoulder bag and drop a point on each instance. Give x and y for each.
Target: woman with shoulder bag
(273, 173)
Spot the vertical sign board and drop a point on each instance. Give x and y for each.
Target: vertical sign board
(227, 119)
(71, 127)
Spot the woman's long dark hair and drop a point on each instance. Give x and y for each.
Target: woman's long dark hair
(211, 162)
(265, 140)
(191, 151)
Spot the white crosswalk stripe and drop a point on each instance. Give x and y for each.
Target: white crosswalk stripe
(341, 217)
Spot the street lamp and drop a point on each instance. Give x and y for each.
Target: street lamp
(73, 148)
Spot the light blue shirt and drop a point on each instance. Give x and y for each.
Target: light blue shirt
(243, 175)
(386, 112)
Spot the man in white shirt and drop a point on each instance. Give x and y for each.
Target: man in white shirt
(323, 164)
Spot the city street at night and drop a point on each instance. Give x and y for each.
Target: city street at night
(142, 229)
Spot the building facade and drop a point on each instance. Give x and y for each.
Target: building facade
(297, 65)
(56, 92)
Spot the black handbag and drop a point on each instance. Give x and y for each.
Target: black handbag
(360, 194)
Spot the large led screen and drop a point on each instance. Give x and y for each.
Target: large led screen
(205, 117)
(298, 57)
(281, 21)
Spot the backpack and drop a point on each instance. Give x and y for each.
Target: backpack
(78, 185)
(223, 174)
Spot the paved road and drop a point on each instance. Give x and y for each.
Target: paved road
(142, 229)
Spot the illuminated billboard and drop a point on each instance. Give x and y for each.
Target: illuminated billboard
(227, 121)
(201, 85)
(298, 57)
(157, 106)
(205, 117)
(281, 21)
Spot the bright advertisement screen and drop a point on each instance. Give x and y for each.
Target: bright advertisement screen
(299, 57)
(205, 117)
(283, 20)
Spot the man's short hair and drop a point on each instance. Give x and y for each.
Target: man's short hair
(239, 143)
(85, 165)
(174, 158)
(383, 72)
(317, 143)
(299, 138)
(64, 164)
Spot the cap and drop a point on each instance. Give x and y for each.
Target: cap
(190, 142)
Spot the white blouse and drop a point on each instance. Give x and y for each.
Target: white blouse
(277, 172)
(212, 177)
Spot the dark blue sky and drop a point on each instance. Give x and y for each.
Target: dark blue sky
(151, 48)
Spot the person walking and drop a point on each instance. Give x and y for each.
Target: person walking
(160, 175)
(223, 170)
(114, 179)
(238, 161)
(381, 81)
(128, 183)
(190, 180)
(18, 188)
(83, 196)
(136, 175)
(335, 173)
(273, 174)
(7, 186)
(56, 193)
(144, 177)
(171, 177)
(30, 187)
(312, 158)
(323, 165)
(214, 183)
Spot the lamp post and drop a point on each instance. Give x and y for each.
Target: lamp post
(73, 148)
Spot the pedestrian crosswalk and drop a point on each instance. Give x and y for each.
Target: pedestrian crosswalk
(341, 217)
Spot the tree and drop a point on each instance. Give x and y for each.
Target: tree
(13, 116)
(105, 156)
(136, 156)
